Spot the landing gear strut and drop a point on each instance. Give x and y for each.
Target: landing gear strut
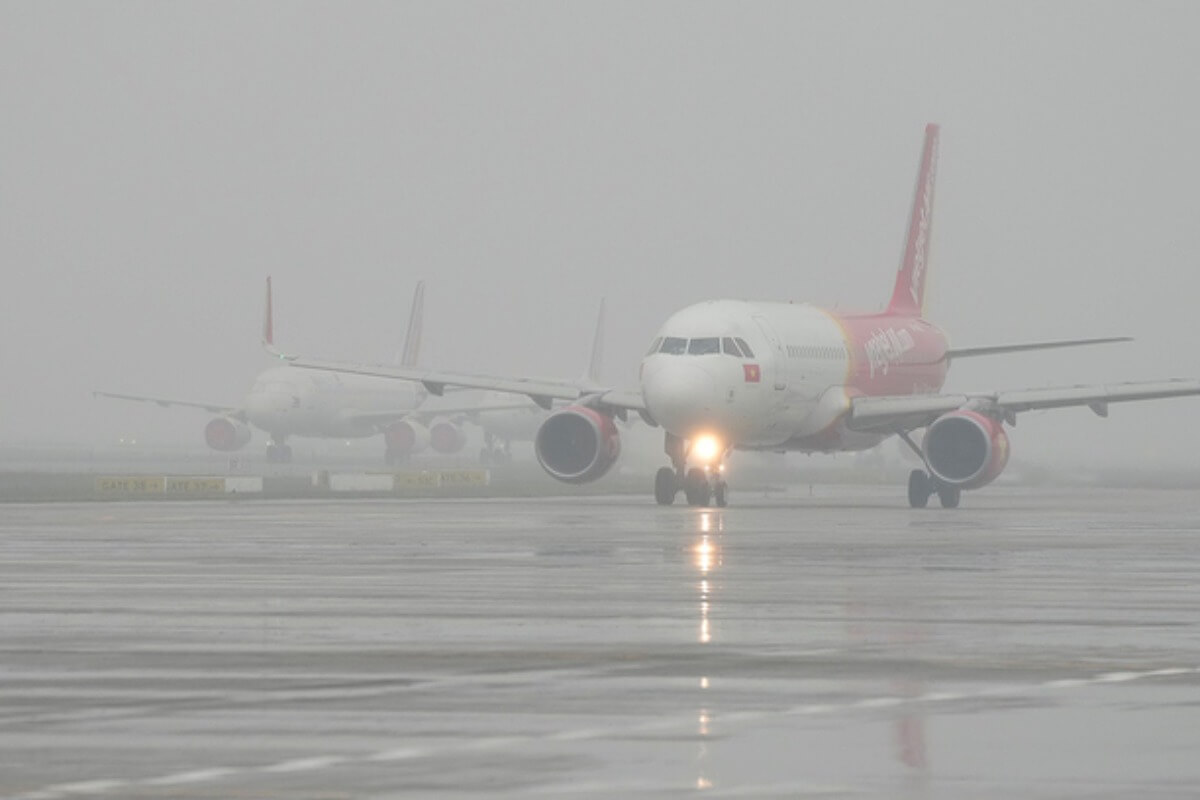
(278, 452)
(701, 486)
(493, 452)
(922, 485)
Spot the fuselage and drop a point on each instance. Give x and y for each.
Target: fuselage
(780, 376)
(286, 401)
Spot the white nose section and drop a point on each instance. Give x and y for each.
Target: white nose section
(267, 405)
(681, 396)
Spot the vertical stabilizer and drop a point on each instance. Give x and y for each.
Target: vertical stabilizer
(268, 331)
(908, 298)
(596, 361)
(416, 319)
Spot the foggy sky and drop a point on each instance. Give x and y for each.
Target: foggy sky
(158, 160)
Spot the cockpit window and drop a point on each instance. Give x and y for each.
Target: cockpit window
(654, 347)
(704, 346)
(745, 347)
(674, 346)
(730, 347)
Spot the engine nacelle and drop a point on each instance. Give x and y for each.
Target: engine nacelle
(577, 444)
(226, 434)
(446, 437)
(405, 437)
(966, 449)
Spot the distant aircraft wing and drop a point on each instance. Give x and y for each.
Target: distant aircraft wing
(907, 412)
(429, 412)
(993, 350)
(541, 391)
(212, 408)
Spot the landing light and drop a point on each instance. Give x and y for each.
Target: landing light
(706, 448)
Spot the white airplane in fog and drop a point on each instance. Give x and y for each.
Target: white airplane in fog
(733, 375)
(285, 401)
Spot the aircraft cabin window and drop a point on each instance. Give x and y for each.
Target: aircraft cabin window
(704, 346)
(730, 347)
(654, 347)
(674, 346)
(746, 351)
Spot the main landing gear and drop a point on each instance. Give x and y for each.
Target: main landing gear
(278, 452)
(494, 452)
(702, 486)
(922, 485)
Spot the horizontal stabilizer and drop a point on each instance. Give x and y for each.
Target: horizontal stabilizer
(965, 352)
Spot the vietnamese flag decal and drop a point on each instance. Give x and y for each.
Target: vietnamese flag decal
(752, 373)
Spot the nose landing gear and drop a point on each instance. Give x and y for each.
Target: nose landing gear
(701, 486)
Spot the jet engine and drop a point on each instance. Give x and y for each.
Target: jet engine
(446, 437)
(405, 437)
(577, 444)
(226, 434)
(966, 449)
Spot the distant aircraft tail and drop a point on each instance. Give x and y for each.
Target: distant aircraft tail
(908, 298)
(416, 322)
(595, 362)
(268, 330)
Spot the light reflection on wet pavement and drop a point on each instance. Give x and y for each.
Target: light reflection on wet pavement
(1030, 644)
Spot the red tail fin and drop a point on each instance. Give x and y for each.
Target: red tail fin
(908, 297)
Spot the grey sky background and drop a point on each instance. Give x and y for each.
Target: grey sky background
(158, 160)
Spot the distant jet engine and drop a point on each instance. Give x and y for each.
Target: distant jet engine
(446, 437)
(226, 434)
(577, 444)
(966, 449)
(404, 438)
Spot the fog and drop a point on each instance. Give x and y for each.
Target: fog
(158, 160)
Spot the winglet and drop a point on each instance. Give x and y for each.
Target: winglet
(596, 362)
(416, 321)
(908, 296)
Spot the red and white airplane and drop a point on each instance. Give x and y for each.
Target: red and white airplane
(731, 374)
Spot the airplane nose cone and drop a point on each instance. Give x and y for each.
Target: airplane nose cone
(681, 397)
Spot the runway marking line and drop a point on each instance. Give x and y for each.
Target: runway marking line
(313, 763)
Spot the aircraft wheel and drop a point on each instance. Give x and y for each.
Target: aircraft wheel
(665, 486)
(949, 496)
(485, 456)
(272, 454)
(919, 489)
(285, 454)
(696, 487)
(720, 494)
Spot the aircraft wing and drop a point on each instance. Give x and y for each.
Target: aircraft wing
(543, 392)
(213, 408)
(426, 413)
(993, 350)
(907, 412)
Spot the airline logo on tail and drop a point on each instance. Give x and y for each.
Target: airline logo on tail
(908, 296)
(920, 246)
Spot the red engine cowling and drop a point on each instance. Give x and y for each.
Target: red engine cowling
(226, 434)
(405, 437)
(577, 444)
(966, 449)
(446, 437)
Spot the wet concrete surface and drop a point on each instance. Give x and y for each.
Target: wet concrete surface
(1030, 644)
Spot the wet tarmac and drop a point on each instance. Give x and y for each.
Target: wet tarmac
(1031, 644)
